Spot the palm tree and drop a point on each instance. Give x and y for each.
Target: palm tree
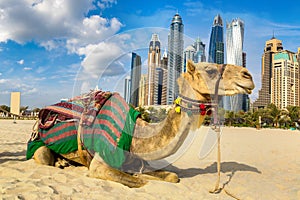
(284, 118)
(275, 113)
(294, 112)
(229, 116)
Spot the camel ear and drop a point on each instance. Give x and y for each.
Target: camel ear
(190, 67)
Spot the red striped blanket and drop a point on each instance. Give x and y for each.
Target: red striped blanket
(107, 131)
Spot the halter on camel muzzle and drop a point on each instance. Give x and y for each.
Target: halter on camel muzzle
(193, 106)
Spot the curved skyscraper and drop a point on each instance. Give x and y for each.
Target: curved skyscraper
(216, 43)
(175, 52)
(234, 51)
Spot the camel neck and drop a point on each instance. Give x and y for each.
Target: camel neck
(159, 140)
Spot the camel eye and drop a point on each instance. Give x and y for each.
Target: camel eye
(212, 72)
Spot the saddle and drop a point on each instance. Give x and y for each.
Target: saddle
(105, 121)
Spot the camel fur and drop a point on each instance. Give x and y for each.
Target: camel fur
(160, 140)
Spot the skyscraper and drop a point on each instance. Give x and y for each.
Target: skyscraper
(285, 79)
(234, 49)
(175, 51)
(200, 51)
(216, 43)
(264, 94)
(298, 55)
(136, 68)
(153, 63)
(188, 54)
(246, 99)
(164, 67)
(143, 90)
(195, 52)
(127, 89)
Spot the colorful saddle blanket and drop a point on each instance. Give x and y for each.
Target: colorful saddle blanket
(107, 131)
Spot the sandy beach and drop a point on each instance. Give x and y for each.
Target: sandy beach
(256, 164)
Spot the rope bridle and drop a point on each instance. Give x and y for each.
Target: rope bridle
(192, 106)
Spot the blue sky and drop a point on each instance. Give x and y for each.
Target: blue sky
(53, 49)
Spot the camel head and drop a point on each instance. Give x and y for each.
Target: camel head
(200, 80)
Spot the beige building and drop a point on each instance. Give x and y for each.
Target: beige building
(15, 102)
(161, 81)
(142, 90)
(264, 94)
(285, 79)
(154, 56)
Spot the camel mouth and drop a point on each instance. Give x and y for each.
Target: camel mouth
(239, 89)
(245, 89)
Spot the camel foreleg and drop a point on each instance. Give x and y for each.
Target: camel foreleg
(159, 175)
(99, 169)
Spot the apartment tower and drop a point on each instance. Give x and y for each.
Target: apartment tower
(285, 79)
(154, 57)
(272, 46)
(175, 52)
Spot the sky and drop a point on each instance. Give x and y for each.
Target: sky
(54, 49)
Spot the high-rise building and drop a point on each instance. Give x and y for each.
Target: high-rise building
(188, 54)
(195, 52)
(127, 89)
(154, 56)
(234, 52)
(264, 94)
(143, 90)
(136, 69)
(246, 99)
(285, 79)
(175, 52)
(298, 55)
(200, 51)
(216, 43)
(164, 67)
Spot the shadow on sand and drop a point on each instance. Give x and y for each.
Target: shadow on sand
(12, 156)
(225, 168)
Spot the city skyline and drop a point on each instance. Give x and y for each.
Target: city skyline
(53, 47)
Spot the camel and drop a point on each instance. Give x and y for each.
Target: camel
(157, 141)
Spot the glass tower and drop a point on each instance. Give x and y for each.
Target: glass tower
(234, 49)
(136, 69)
(216, 43)
(175, 52)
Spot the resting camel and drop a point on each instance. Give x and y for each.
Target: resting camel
(160, 140)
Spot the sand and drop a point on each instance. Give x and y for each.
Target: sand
(256, 164)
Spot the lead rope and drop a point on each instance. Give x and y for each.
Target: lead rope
(216, 127)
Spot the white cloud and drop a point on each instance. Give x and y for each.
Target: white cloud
(17, 84)
(3, 81)
(106, 3)
(27, 68)
(46, 21)
(20, 62)
(93, 30)
(99, 60)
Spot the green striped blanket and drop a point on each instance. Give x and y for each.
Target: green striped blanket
(110, 134)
